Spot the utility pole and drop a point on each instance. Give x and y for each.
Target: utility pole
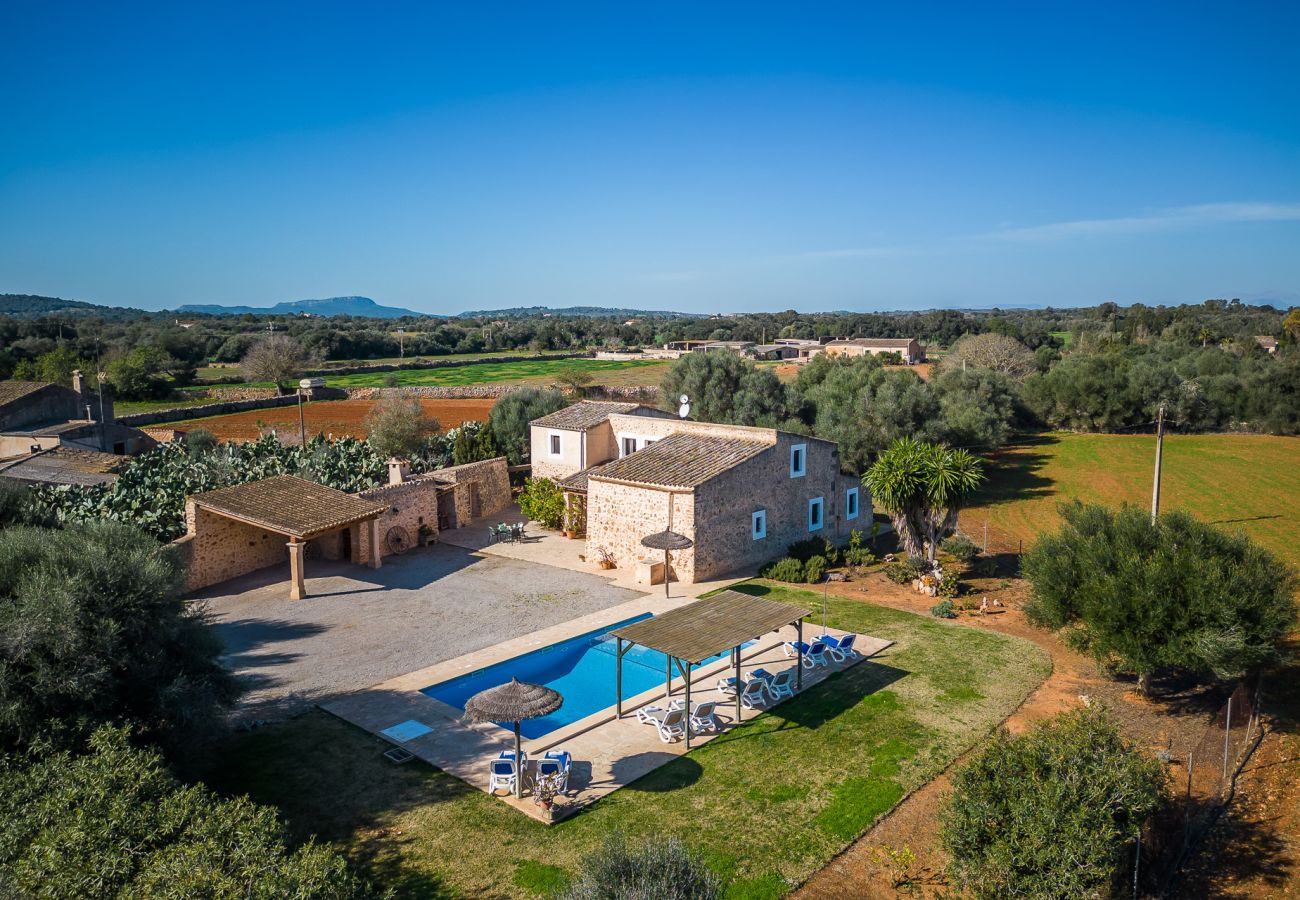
(1160, 446)
(302, 422)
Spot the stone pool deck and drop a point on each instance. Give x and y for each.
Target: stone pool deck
(608, 753)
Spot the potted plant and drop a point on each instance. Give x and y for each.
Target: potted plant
(426, 534)
(606, 559)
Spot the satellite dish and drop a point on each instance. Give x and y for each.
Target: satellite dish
(683, 399)
(685, 409)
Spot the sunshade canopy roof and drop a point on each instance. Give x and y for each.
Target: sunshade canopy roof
(706, 628)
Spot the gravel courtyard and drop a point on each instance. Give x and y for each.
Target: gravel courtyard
(360, 626)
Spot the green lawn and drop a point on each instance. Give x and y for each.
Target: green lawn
(767, 803)
(1245, 482)
(231, 374)
(1065, 336)
(127, 407)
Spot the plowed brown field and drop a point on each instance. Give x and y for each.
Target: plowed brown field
(331, 417)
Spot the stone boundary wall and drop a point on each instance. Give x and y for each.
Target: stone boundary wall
(206, 409)
(492, 478)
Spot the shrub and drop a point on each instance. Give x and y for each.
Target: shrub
(961, 548)
(815, 570)
(944, 610)
(542, 501)
(18, 506)
(114, 823)
(806, 549)
(898, 573)
(949, 587)
(662, 869)
(1178, 594)
(858, 556)
(831, 552)
(200, 441)
(917, 566)
(788, 569)
(93, 629)
(1052, 813)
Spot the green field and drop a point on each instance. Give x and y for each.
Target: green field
(608, 372)
(1246, 482)
(231, 374)
(768, 803)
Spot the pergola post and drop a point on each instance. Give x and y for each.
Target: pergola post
(798, 678)
(668, 690)
(374, 544)
(687, 676)
(297, 580)
(737, 659)
(618, 679)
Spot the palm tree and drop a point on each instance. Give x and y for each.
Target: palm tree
(923, 486)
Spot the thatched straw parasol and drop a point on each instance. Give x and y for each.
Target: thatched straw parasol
(666, 541)
(513, 702)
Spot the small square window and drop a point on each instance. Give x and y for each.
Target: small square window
(798, 460)
(555, 445)
(851, 504)
(815, 514)
(758, 524)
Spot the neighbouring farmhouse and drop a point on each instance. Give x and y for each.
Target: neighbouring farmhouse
(235, 530)
(39, 415)
(908, 348)
(741, 495)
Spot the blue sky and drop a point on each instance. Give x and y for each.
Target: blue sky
(701, 157)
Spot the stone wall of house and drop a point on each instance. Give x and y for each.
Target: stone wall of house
(410, 504)
(50, 403)
(221, 548)
(620, 515)
(481, 488)
(724, 507)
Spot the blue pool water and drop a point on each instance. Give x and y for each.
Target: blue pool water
(581, 669)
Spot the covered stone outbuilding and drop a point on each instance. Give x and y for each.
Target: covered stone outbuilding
(238, 529)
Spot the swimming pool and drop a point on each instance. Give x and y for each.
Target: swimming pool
(580, 668)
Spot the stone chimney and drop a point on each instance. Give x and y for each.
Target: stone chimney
(398, 470)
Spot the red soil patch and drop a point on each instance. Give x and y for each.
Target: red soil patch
(340, 418)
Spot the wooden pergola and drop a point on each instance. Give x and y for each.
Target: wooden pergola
(691, 634)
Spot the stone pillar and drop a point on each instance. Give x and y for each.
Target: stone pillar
(297, 583)
(375, 552)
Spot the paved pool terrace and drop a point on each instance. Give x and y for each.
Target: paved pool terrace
(608, 753)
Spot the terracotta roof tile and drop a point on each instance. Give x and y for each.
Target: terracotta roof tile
(681, 460)
(290, 505)
(583, 415)
(16, 390)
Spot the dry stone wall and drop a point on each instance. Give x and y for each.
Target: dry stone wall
(221, 548)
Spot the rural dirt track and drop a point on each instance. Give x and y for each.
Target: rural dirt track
(339, 418)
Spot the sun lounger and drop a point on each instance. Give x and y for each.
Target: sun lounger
(502, 774)
(672, 726)
(781, 685)
(793, 648)
(702, 717)
(818, 654)
(554, 768)
(650, 715)
(840, 648)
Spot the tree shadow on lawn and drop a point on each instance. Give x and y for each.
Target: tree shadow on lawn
(1232, 851)
(1013, 472)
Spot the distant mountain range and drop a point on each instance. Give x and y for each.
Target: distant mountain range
(32, 306)
(520, 312)
(362, 307)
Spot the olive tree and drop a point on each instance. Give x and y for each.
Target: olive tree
(398, 426)
(1175, 594)
(93, 629)
(1052, 813)
(922, 487)
(511, 414)
(663, 869)
(111, 821)
(726, 389)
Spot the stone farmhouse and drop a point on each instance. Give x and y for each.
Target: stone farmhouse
(741, 495)
(908, 348)
(235, 530)
(39, 415)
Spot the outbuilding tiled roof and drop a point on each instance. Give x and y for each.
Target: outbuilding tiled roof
(16, 390)
(577, 482)
(682, 460)
(64, 465)
(583, 415)
(899, 343)
(287, 504)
